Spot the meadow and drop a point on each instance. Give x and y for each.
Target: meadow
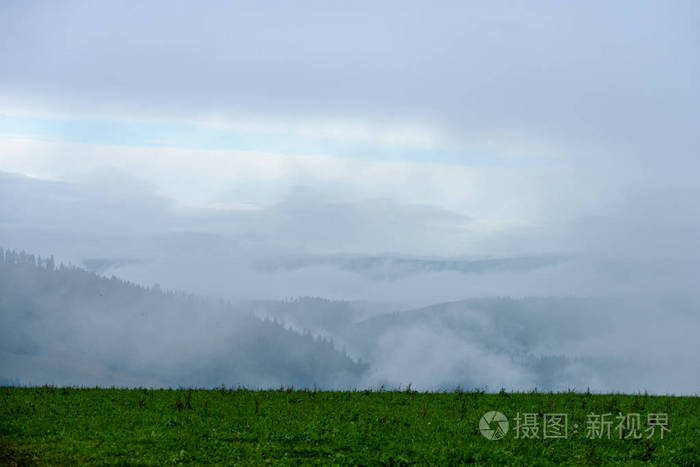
(53, 425)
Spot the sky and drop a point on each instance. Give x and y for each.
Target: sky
(398, 155)
(266, 143)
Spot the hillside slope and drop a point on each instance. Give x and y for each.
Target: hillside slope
(64, 325)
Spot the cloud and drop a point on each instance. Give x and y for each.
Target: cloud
(123, 204)
(516, 77)
(340, 236)
(489, 195)
(433, 360)
(552, 343)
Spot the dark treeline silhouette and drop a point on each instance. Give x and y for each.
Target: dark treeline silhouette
(62, 324)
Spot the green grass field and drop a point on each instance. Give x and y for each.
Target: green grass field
(50, 425)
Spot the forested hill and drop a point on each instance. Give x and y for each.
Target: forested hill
(63, 325)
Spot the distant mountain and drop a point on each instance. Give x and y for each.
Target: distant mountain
(536, 342)
(389, 267)
(65, 325)
(549, 343)
(519, 325)
(319, 315)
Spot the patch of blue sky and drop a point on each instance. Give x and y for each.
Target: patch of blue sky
(115, 132)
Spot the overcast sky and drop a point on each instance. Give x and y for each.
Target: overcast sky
(258, 130)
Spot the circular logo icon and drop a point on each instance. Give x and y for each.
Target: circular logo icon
(493, 425)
